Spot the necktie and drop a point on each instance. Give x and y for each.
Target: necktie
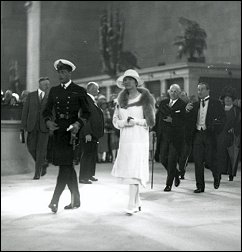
(64, 86)
(170, 104)
(203, 101)
(41, 96)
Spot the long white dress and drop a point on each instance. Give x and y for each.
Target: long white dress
(132, 162)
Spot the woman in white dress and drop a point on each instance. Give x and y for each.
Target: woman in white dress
(133, 115)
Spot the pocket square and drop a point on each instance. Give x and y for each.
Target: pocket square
(177, 111)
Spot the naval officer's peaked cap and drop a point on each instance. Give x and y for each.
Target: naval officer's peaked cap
(62, 64)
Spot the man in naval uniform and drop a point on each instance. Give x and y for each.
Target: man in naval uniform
(64, 103)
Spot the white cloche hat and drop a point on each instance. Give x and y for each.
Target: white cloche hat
(129, 73)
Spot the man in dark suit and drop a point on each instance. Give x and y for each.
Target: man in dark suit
(171, 119)
(187, 144)
(207, 117)
(34, 123)
(61, 116)
(89, 135)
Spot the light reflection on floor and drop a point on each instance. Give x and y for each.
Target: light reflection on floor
(176, 220)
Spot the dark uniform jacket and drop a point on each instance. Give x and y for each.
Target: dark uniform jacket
(32, 113)
(62, 107)
(95, 123)
(173, 131)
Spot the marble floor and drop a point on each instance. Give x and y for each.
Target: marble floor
(179, 220)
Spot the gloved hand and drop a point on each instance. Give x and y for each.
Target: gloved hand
(88, 138)
(140, 122)
(168, 119)
(51, 125)
(129, 123)
(74, 128)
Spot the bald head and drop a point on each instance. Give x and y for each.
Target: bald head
(174, 91)
(93, 88)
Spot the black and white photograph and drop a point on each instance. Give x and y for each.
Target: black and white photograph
(120, 125)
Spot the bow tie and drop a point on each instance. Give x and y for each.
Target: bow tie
(203, 101)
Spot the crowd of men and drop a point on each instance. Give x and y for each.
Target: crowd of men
(68, 125)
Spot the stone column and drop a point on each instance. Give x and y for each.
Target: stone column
(190, 84)
(163, 86)
(33, 44)
(108, 92)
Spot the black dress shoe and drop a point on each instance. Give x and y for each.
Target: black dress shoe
(182, 177)
(93, 179)
(177, 181)
(36, 177)
(216, 183)
(72, 206)
(85, 181)
(231, 178)
(198, 190)
(167, 188)
(53, 207)
(43, 172)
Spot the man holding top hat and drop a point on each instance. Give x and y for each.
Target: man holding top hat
(65, 102)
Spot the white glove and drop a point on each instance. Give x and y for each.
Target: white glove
(125, 123)
(130, 123)
(121, 123)
(74, 128)
(140, 122)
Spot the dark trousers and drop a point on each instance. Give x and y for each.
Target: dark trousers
(37, 142)
(183, 159)
(88, 159)
(204, 153)
(67, 176)
(169, 159)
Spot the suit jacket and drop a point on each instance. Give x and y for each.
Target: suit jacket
(215, 118)
(173, 131)
(95, 123)
(32, 113)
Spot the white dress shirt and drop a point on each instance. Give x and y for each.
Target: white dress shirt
(66, 84)
(172, 102)
(41, 94)
(202, 113)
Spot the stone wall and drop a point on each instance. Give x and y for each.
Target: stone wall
(15, 158)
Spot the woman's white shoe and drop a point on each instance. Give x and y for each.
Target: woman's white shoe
(132, 211)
